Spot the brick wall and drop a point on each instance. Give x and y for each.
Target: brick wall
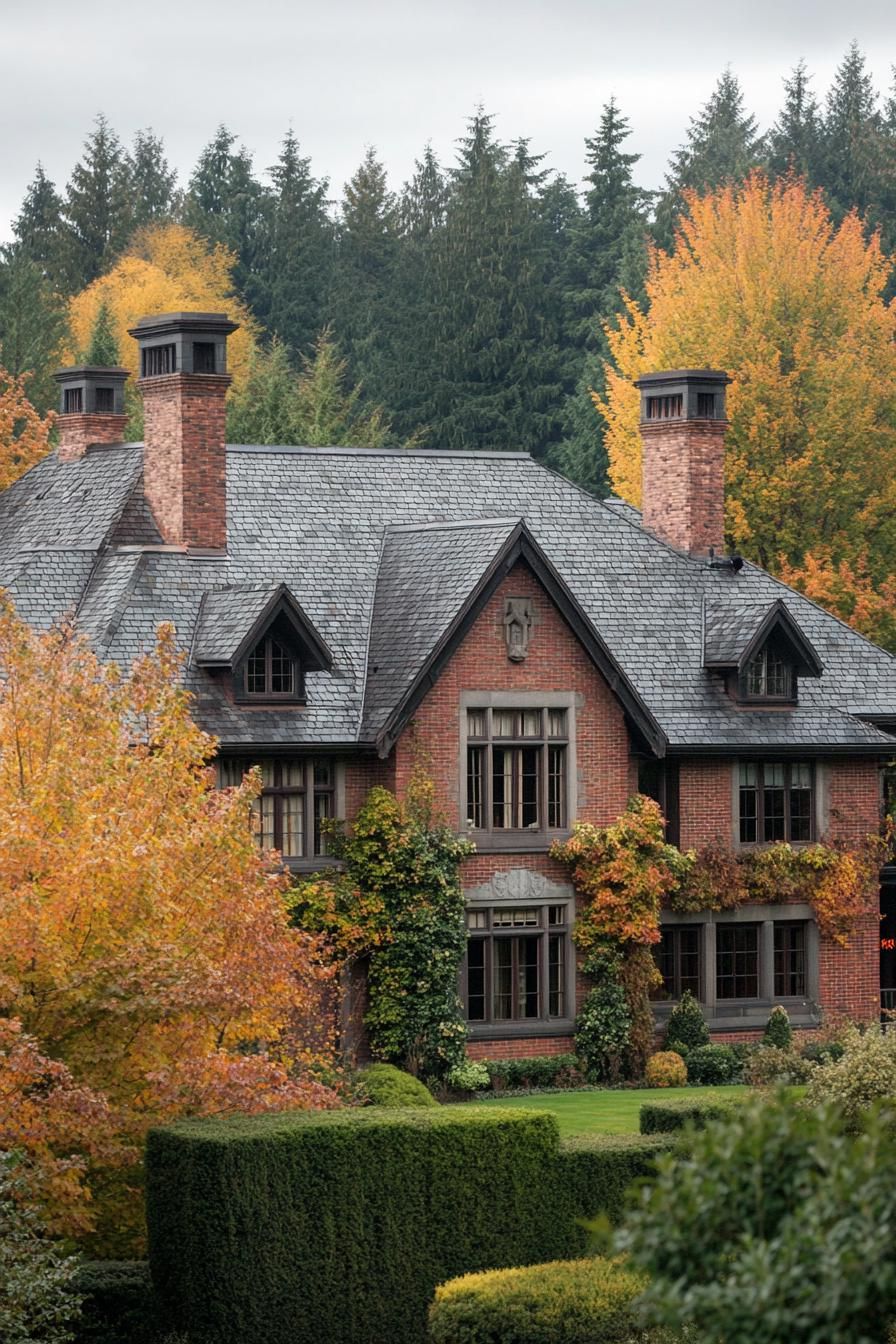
(705, 803)
(684, 483)
(184, 457)
(521, 1048)
(78, 432)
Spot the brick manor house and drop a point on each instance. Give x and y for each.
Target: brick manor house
(551, 654)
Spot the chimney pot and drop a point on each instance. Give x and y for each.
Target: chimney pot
(91, 408)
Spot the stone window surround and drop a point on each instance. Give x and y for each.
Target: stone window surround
(311, 863)
(738, 1014)
(522, 887)
(821, 799)
(520, 842)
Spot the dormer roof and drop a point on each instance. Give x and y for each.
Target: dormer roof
(232, 620)
(735, 631)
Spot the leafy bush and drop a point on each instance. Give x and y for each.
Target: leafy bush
(665, 1069)
(469, 1076)
(385, 1085)
(778, 1031)
(686, 1026)
(714, 1066)
(37, 1302)
(770, 1067)
(335, 1227)
(772, 1227)
(119, 1305)
(567, 1302)
(822, 1052)
(596, 1170)
(665, 1117)
(865, 1074)
(603, 1030)
(534, 1071)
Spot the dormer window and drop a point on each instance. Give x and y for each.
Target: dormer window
(272, 672)
(769, 676)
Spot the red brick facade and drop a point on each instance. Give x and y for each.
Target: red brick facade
(78, 431)
(184, 457)
(684, 483)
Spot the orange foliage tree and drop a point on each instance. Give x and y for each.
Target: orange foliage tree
(762, 284)
(24, 434)
(145, 943)
(165, 269)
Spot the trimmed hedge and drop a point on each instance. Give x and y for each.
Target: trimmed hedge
(119, 1303)
(385, 1085)
(535, 1071)
(665, 1117)
(335, 1227)
(596, 1170)
(567, 1302)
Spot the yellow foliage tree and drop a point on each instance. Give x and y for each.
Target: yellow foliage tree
(762, 284)
(24, 433)
(166, 269)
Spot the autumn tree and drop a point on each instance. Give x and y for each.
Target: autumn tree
(761, 283)
(145, 945)
(24, 433)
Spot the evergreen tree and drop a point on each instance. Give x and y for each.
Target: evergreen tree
(607, 255)
(264, 410)
(298, 258)
(498, 381)
(97, 207)
(38, 227)
(855, 149)
(152, 181)
(722, 145)
(103, 348)
(32, 325)
(795, 140)
(226, 204)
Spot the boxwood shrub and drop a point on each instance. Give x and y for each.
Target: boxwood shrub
(713, 1065)
(567, 1302)
(385, 1085)
(664, 1117)
(335, 1227)
(595, 1170)
(535, 1071)
(119, 1306)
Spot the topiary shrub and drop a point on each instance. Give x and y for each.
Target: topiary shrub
(119, 1304)
(714, 1066)
(778, 1031)
(566, 1302)
(687, 1025)
(864, 1075)
(597, 1170)
(770, 1067)
(665, 1069)
(335, 1227)
(603, 1030)
(665, 1117)
(385, 1085)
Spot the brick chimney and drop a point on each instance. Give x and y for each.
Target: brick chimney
(91, 408)
(184, 381)
(683, 428)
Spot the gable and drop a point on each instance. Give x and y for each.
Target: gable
(734, 633)
(232, 620)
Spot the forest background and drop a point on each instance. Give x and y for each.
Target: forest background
(480, 304)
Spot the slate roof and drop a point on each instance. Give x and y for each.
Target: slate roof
(327, 523)
(729, 628)
(225, 617)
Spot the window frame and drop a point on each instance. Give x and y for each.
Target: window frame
(309, 790)
(761, 788)
(517, 839)
(268, 696)
(674, 933)
(764, 697)
(490, 934)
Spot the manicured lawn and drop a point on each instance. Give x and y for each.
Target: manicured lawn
(610, 1112)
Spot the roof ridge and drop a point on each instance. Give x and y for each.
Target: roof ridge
(335, 449)
(455, 524)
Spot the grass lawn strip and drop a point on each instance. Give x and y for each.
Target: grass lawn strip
(608, 1112)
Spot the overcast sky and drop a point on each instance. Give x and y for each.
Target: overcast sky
(395, 73)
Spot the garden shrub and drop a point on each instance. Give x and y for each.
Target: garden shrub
(469, 1076)
(665, 1117)
(119, 1305)
(385, 1085)
(335, 1227)
(773, 1227)
(822, 1052)
(596, 1170)
(37, 1300)
(770, 1067)
(865, 1074)
(714, 1066)
(665, 1069)
(534, 1071)
(567, 1302)
(778, 1031)
(687, 1025)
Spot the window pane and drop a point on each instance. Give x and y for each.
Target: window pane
(292, 774)
(774, 826)
(749, 805)
(264, 810)
(527, 976)
(282, 670)
(529, 761)
(293, 822)
(476, 721)
(526, 918)
(230, 774)
(556, 786)
(477, 919)
(476, 980)
(268, 775)
(790, 960)
(756, 676)
(737, 961)
(777, 678)
(557, 914)
(323, 811)
(531, 723)
(502, 787)
(503, 723)
(502, 957)
(800, 814)
(664, 956)
(556, 722)
(556, 975)
(255, 682)
(476, 786)
(323, 774)
(689, 962)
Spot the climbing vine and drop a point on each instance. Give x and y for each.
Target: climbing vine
(398, 902)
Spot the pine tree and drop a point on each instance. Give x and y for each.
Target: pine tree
(722, 145)
(39, 229)
(855, 153)
(32, 325)
(97, 207)
(103, 348)
(152, 181)
(795, 140)
(226, 204)
(298, 258)
(264, 410)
